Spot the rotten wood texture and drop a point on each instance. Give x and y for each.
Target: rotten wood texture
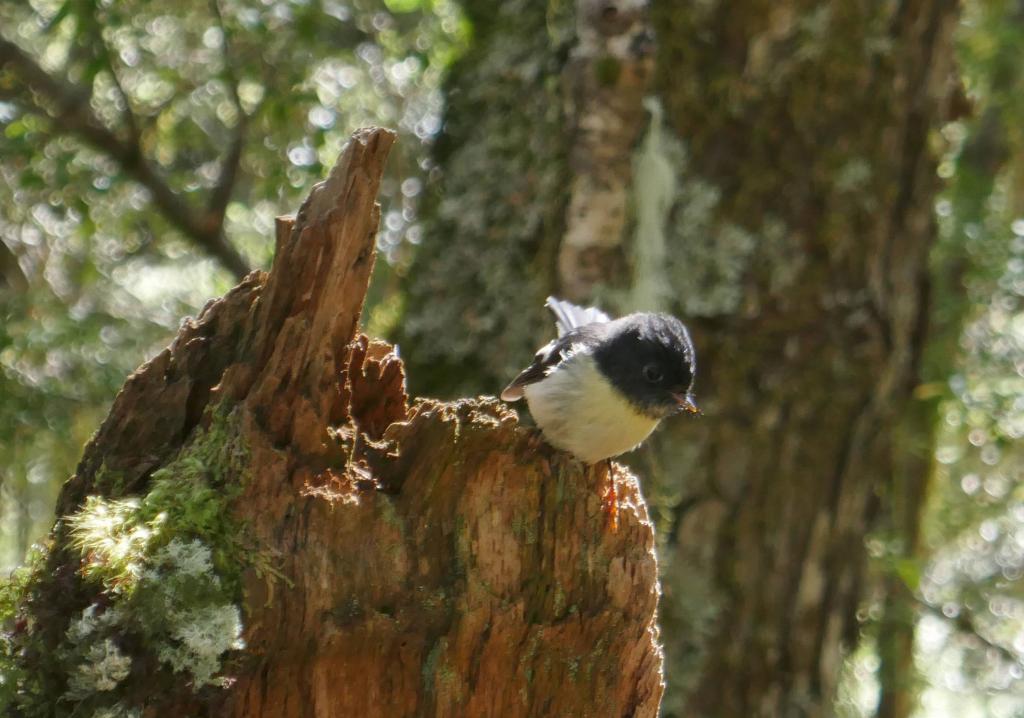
(798, 145)
(478, 579)
(443, 561)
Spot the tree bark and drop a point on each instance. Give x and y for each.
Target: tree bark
(781, 203)
(432, 560)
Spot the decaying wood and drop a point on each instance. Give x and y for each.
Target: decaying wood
(783, 205)
(441, 560)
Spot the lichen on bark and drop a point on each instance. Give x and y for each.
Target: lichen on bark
(809, 124)
(417, 549)
(158, 586)
(503, 158)
(796, 247)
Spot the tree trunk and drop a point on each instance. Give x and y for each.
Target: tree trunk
(388, 560)
(781, 202)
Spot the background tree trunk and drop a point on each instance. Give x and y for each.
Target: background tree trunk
(781, 200)
(427, 561)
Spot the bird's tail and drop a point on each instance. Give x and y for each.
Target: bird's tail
(568, 316)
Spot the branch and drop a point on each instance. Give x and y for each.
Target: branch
(226, 182)
(72, 114)
(965, 624)
(105, 55)
(12, 279)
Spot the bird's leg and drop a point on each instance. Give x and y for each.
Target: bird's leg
(611, 497)
(535, 442)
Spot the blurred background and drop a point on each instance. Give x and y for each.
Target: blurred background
(831, 195)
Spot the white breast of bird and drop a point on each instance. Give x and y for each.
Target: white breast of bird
(581, 412)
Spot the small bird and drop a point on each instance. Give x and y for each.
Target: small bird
(602, 386)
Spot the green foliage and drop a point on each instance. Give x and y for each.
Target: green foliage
(14, 675)
(94, 277)
(964, 581)
(974, 527)
(94, 274)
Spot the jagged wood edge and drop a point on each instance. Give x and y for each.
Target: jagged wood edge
(228, 351)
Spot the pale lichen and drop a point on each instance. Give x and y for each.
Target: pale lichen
(201, 637)
(709, 254)
(782, 254)
(188, 558)
(118, 710)
(103, 668)
(163, 572)
(191, 620)
(688, 256)
(853, 175)
(175, 602)
(655, 188)
(504, 168)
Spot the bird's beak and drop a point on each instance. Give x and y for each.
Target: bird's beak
(686, 403)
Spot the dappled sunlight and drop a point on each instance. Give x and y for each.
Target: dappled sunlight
(846, 519)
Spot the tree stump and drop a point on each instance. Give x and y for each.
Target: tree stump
(382, 559)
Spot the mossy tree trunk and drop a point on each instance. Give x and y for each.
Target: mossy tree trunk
(779, 199)
(264, 526)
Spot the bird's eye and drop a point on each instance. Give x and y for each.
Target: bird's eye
(652, 373)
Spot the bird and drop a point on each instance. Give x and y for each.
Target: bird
(602, 386)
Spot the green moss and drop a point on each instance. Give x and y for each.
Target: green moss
(528, 656)
(607, 70)
(108, 482)
(159, 576)
(594, 659)
(429, 669)
(16, 678)
(524, 527)
(386, 508)
(189, 498)
(446, 674)
(560, 489)
(558, 601)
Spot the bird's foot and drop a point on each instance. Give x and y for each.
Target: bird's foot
(535, 441)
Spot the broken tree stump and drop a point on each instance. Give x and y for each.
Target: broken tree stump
(264, 526)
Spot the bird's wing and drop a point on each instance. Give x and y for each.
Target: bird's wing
(547, 358)
(569, 316)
